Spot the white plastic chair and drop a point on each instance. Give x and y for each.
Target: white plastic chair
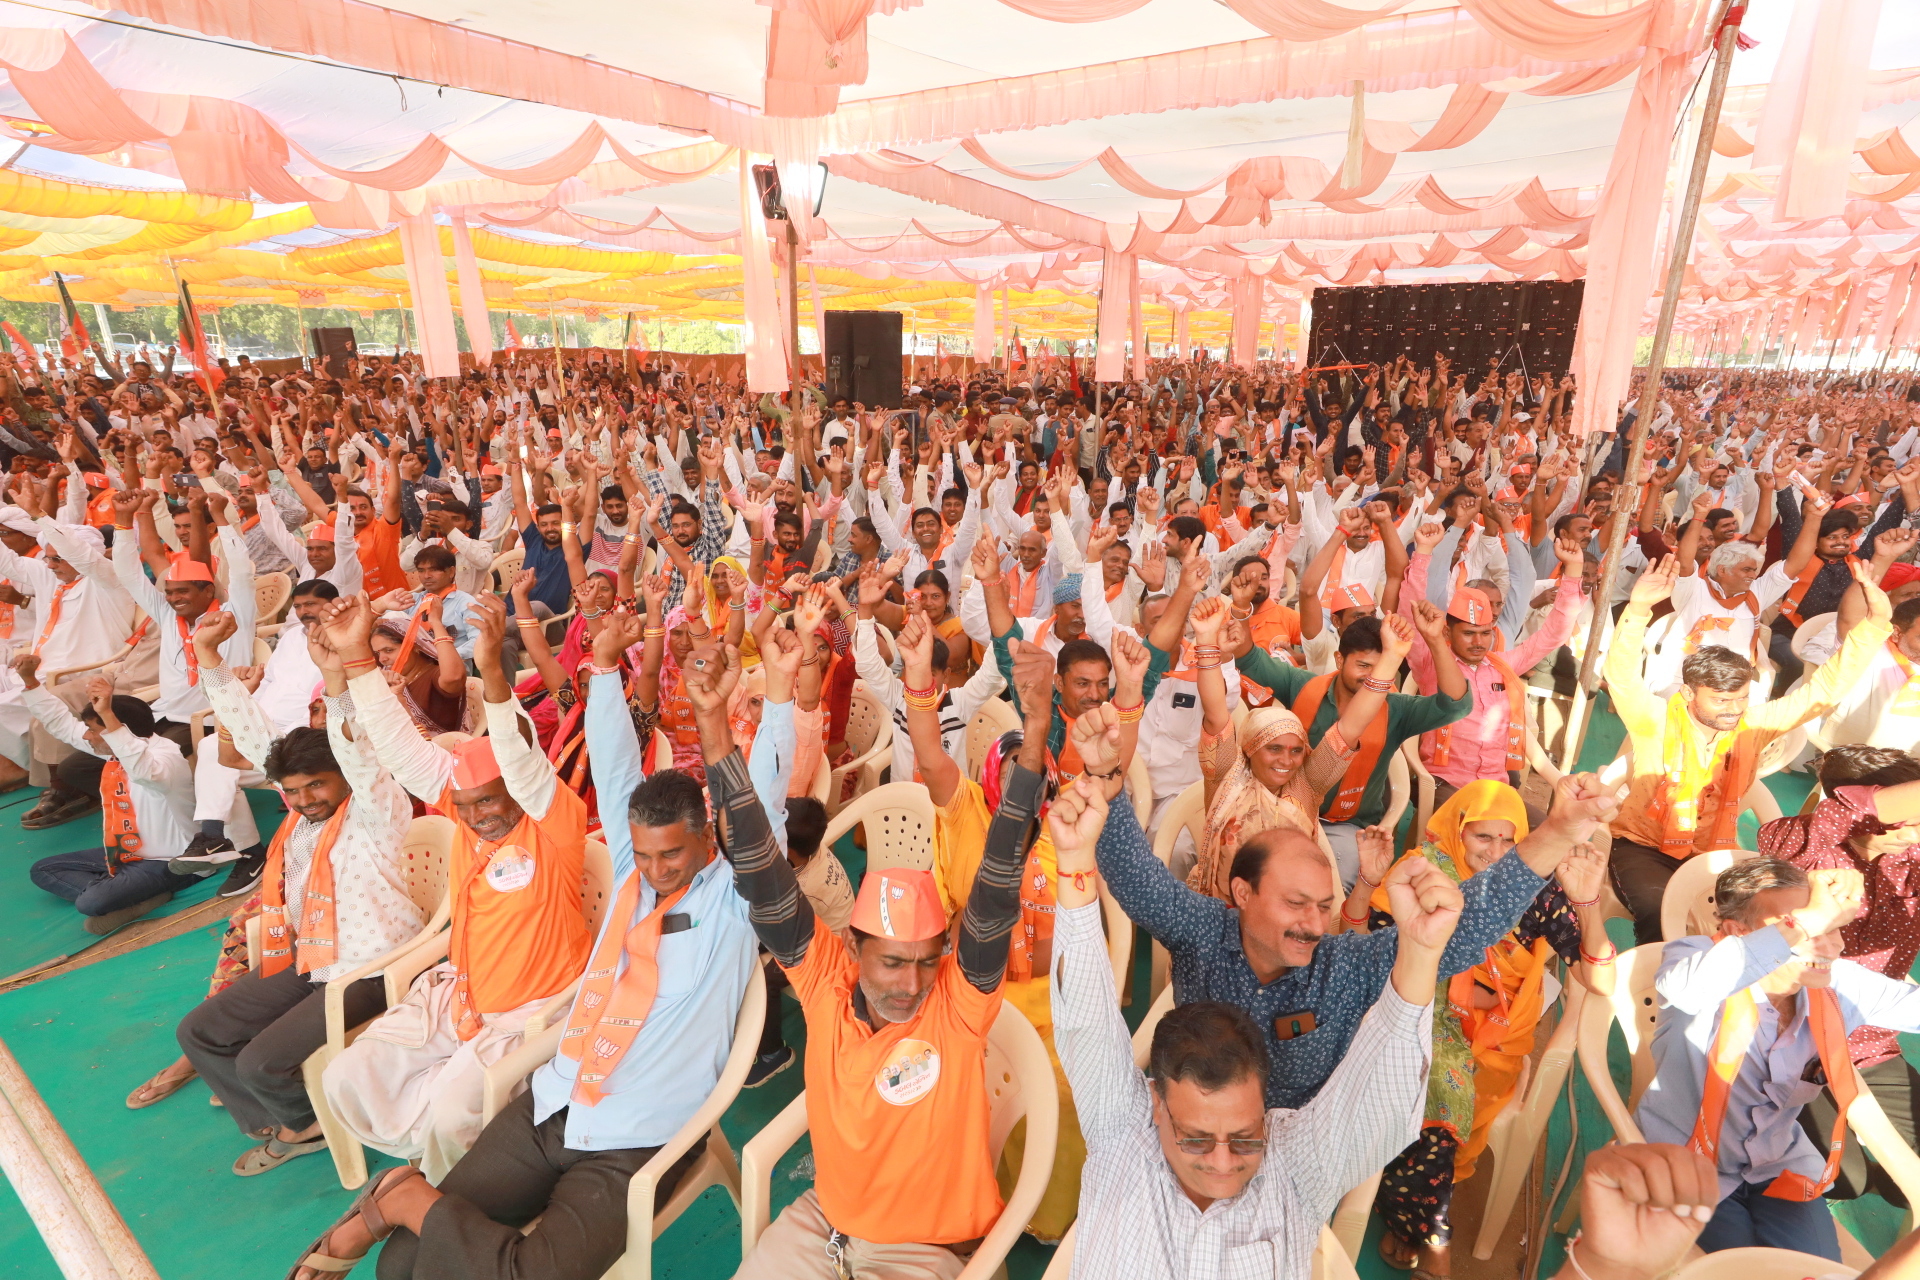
(870, 738)
(426, 852)
(271, 591)
(1020, 1083)
(1330, 1261)
(995, 717)
(1686, 907)
(647, 1218)
(1760, 1264)
(1515, 1133)
(898, 820)
(505, 566)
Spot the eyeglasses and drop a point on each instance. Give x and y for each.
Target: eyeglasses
(1239, 1146)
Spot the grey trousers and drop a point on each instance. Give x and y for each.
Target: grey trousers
(249, 1041)
(516, 1172)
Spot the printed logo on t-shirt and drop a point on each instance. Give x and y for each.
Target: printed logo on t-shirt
(510, 870)
(910, 1074)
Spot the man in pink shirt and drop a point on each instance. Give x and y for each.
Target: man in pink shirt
(1491, 742)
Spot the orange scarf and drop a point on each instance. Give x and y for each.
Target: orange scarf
(1790, 605)
(1516, 721)
(1345, 800)
(1715, 781)
(53, 615)
(1739, 1019)
(610, 1013)
(119, 821)
(1020, 587)
(419, 619)
(317, 934)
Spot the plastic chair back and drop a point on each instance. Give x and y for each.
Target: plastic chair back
(271, 591)
(1686, 908)
(426, 853)
(1760, 1264)
(898, 820)
(865, 718)
(995, 717)
(505, 566)
(596, 885)
(1634, 1007)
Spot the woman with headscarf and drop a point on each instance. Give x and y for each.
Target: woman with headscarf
(1262, 775)
(1484, 1018)
(430, 679)
(659, 689)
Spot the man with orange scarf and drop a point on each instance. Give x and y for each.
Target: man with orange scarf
(1753, 1020)
(411, 1085)
(335, 894)
(1696, 755)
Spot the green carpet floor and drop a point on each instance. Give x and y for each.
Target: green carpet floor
(41, 927)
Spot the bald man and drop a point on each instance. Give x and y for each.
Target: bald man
(1273, 951)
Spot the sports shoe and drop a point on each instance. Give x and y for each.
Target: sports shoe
(204, 853)
(246, 874)
(768, 1065)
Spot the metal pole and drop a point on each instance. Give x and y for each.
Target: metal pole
(559, 365)
(796, 383)
(1724, 43)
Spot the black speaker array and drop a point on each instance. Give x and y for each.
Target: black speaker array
(335, 344)
(863, 357)
(1471, 324)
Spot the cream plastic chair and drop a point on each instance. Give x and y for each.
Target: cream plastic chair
(426, 852)
(1020, 1083)
(1140, 788)
(1185, 812)
(505, 566)
(898, 820)
(1777, 755)
(1515, 1133)
(1330, 1261)
(1686, 908)
(822, 781)
(271, 591)
(1760, 1264)
(1119, 943)
(870, 738)
(995, 717)
(1399, 793)
(1423, 788)
(647, 1218)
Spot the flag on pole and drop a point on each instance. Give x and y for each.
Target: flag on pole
(19, 345)
(513, 336)
(193, 339)
(74, 338)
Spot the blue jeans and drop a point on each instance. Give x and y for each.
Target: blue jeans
(81, 878)
(1750, 1218)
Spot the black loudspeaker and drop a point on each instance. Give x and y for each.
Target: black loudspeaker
(1473, 325)
(337, 345)
(863, 357)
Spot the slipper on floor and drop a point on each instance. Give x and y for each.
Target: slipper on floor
(1381, 1249)
(44, 815)
(273, 1153)
(364, 1206)
(162, 1086)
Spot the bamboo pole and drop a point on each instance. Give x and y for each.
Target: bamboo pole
(1579, 716)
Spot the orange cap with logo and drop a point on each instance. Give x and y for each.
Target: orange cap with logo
(901, 903)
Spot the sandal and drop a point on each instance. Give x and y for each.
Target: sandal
(273, 1153)
(366, 1207)
(161, 1087)
(1397, 1264)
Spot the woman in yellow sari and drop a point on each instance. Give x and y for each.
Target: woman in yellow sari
(1484, 1018)
(1265, 775)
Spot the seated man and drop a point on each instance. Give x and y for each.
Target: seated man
(1696, 755)
(146, 804)
(645, 1042)
(435, 567)
(335, 897)
(1869, 823)
(410, 1085)
(1271, 951)
(1771, 976)
(894, 1014)
(1283, 1171)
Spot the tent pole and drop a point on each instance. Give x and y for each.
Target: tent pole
(796, 382)
(1724, 43)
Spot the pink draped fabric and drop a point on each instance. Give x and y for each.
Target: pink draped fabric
(473, 295)
(982, 322)
(1809, 121)
(1137, 327)
(1181, 331)
(432, 305)
(1118, 276)
(1246, 320)
(1899, 285)
(766, 362)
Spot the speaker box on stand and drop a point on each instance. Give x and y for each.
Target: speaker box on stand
(864, 364)
(334, 345)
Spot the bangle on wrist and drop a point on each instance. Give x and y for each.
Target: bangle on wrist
(1359, 919)
(1594, 901)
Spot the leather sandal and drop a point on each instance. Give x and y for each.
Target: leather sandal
(273, 1153)
(367, 1208)
(161, 1087)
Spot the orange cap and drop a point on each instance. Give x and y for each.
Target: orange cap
(185, 570)
(1471, 606)
(1353, 596)
(899, 902)
(474, 765)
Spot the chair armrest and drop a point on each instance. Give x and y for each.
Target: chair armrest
(757, 1160)
(50, 677)
(544, 1016)
(882, 743)
(1540, 761)
(534, 1051)
(337, 989)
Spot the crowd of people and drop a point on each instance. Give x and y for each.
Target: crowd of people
(633, 605)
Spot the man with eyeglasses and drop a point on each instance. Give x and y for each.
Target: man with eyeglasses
(1274, 1174)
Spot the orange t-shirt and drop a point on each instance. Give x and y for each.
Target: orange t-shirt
(1276, 629)
(884, 1107)
(379, 546)
(1210, 517)
(518, 930)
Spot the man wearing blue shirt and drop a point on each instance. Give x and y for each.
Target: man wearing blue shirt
(565, 1150)
(1753, 1023)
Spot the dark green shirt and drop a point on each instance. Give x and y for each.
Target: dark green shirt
(1408, 716)
(1158, 664)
